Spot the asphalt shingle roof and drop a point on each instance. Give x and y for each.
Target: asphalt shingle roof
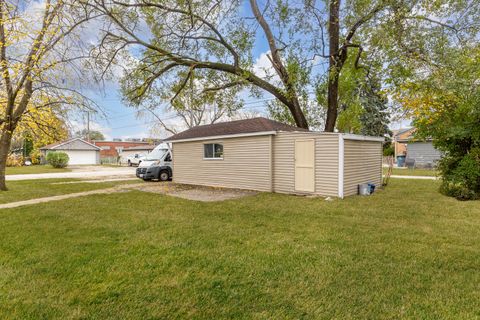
(71, 144)
(234, 127)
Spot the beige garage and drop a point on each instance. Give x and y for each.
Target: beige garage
(265, 155)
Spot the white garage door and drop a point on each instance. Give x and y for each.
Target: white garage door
(81, 157)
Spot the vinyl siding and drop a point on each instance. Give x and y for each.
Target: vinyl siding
(362, 164)
(326, 162)
(245, 164)
(424, 154)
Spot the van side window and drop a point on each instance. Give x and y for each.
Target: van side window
(168, 157)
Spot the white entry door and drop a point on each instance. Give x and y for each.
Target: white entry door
(305, 165)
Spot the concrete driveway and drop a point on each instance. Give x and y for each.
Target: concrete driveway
(79, 172)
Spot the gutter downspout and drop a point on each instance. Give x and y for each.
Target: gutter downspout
(341, 165)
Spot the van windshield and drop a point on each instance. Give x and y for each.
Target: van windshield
(156, 154)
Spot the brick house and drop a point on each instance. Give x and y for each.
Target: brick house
(112, 149)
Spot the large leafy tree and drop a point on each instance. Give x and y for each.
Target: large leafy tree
(39, 127)
(444, 103)
(182, 37)
(90, 134)
(363, 104)
(198, 35)
(37, 51)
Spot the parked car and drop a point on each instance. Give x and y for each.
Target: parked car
(157, 165)
(135, 159)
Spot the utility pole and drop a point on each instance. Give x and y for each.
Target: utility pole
(88, 126)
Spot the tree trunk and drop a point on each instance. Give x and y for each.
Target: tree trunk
(334, 67)
(5, 141)
(332, 110)
(293, 104)
(298, 115)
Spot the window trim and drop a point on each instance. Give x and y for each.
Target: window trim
(213, 158)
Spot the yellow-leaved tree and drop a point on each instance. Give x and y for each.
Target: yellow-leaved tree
(39, 53)
(40, 127)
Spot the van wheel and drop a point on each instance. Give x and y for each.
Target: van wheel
(163, 176)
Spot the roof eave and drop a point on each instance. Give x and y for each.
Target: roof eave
(70, 140)
(349, 136)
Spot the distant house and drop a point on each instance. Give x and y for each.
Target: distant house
(419, 153)
(266, 155)
(79, 151)
(137, 150)
(112, 149)
(400, 148)
(422, 154)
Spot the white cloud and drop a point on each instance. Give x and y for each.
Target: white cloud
(400, 124)
(264, 69)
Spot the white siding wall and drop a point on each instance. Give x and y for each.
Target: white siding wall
(326, 162)
(77, 157)
(245, 164)
(363, 164)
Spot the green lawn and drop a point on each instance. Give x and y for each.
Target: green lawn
(31, 189)
(35, 169)
(412, 172)
(406, 252)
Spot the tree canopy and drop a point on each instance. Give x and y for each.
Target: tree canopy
(38, 50)
(308, 43)
(90, 134)
(444, 103)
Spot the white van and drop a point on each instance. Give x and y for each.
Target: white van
(161, 155)
(157, 165)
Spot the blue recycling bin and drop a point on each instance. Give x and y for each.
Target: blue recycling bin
(401, 161)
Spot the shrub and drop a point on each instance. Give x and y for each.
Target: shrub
(14, 160)
(461, 175)
(35, 156)
(57, 159)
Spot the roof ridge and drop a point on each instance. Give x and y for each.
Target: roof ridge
(242, 126)
(61, 143)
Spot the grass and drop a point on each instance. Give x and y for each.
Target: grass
(404, 253)
(35, 169)
(31, 189)
(412, 172)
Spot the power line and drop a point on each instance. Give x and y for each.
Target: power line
(146, 123)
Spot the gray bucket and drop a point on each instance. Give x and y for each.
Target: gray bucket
(364, 189)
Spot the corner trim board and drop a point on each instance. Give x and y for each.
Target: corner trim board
(341, 165)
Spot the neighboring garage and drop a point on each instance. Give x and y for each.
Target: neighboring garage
(79, 151)
(421, 154)
(265, 155)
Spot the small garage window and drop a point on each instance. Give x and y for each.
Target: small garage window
(213, 151)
